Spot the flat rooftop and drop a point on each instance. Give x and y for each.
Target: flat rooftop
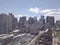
(4, 36)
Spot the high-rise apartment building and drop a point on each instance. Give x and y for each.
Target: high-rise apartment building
(3, 23)
(6, 23)
(13, 21)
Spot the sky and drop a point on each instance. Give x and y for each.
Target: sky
(31, 8)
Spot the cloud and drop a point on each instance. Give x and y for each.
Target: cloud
(34, 10)
(55, 13)
(47, 12)
(38, 10)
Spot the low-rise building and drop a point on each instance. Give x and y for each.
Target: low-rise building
(6, 38)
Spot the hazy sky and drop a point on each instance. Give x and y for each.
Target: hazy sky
(31, 7)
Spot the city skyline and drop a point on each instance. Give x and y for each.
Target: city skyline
(29, 22)
(27, 18)
(31, 8)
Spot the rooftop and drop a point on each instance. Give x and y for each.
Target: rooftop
(4, 36)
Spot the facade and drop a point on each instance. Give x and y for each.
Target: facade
(12, 22)
(33, 25)
(58, 23)
(34, 29)
(22, 24)
(41, 21)
(3, 23)
(15, 23)
(6, 23)
(30, 20)
(50, 20)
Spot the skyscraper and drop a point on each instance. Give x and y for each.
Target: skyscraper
(3, 23)
(6, 23)
(22, 24)
(13, 21)
(41, 21)
(58, 23)
(50, 20)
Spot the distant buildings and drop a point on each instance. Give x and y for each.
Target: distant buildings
(42, 21)
(34, 29)
(22, 24)
(30, 20)
(58, 23)
(8, 23)
(50, 21)
(33, 25)
(13, 21)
